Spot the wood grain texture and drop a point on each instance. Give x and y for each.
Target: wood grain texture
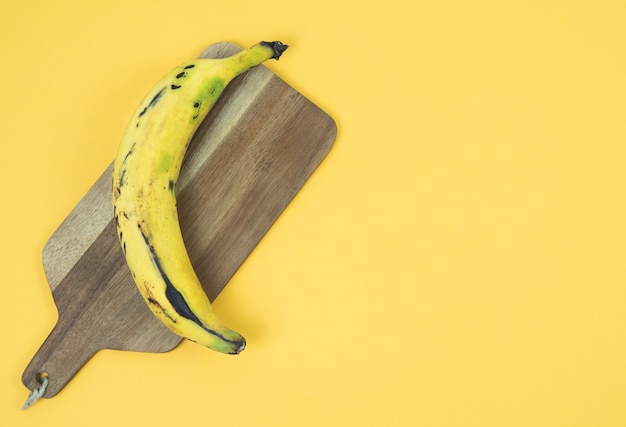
(251, 155)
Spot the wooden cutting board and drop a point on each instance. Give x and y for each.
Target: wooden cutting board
(249, 158)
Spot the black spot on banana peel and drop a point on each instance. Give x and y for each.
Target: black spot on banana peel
(152, 102)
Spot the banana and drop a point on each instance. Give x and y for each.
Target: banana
(145, 172)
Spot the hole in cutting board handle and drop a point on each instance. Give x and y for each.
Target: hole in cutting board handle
(40, 376)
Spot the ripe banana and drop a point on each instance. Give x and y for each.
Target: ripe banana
(145, 172)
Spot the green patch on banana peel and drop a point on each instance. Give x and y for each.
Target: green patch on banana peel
(165, 162)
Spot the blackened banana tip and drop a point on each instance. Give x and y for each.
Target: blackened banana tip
(277, 47)
(240, 348)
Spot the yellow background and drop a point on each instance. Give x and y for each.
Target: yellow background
(457, 260)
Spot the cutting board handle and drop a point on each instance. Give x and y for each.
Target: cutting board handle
(59, 358)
